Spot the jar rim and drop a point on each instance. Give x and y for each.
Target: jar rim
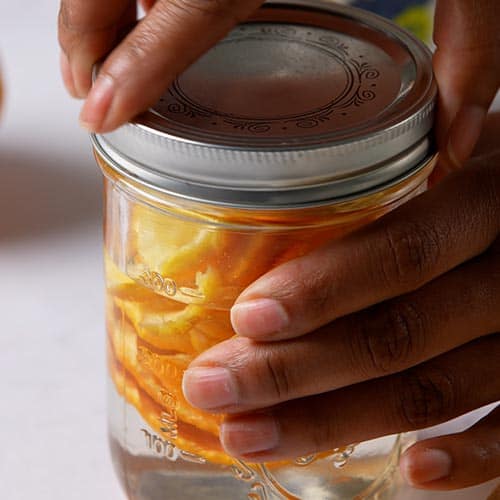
(204, 196)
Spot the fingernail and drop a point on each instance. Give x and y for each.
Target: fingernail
(97, 105)
(426, 466)
(464, 134)
(259, 317)
(209, 387)
(249, 435)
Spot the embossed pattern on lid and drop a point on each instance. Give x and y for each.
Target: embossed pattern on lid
(307, 102)
(302, 85)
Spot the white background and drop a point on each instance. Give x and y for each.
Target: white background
(52, 394)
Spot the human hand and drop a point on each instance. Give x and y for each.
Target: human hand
(141, 65)
(390, 329)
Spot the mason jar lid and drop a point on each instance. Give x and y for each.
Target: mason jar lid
(307, 102)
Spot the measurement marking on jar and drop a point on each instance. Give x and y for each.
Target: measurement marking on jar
(154, 363)
(168, 415)
(191, 292)
(167, 286)
(167, 450)
(156, 282)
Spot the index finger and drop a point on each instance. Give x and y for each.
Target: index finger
(399, 253)
(173, 34)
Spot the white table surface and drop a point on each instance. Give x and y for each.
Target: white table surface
(53, 442)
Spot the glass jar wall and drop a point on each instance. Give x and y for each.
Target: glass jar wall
(173, 270)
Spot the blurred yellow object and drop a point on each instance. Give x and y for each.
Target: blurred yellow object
(418, 20)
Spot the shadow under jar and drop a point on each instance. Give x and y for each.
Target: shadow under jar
(303, 124)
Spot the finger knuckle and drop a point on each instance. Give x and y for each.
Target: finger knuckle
(137, 47)
(136, 50)
(314, 287)
(65, 15)
(390, 337)
(277, 375)
(73, 19)
(320, 299)
(426, 398)
(92, 17)
(263, 371)
(490, 193)
(211, 8)
(414, 251)
(63, 34)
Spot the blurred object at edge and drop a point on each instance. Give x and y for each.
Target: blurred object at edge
(414, 15)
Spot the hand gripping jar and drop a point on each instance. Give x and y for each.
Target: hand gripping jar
(304, 123)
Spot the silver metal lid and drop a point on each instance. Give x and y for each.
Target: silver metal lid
(307, 102)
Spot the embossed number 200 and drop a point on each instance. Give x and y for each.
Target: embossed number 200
(158, 283)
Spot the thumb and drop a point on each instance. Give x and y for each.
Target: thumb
(467, 68)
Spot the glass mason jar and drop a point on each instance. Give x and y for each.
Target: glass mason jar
(305, 123)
